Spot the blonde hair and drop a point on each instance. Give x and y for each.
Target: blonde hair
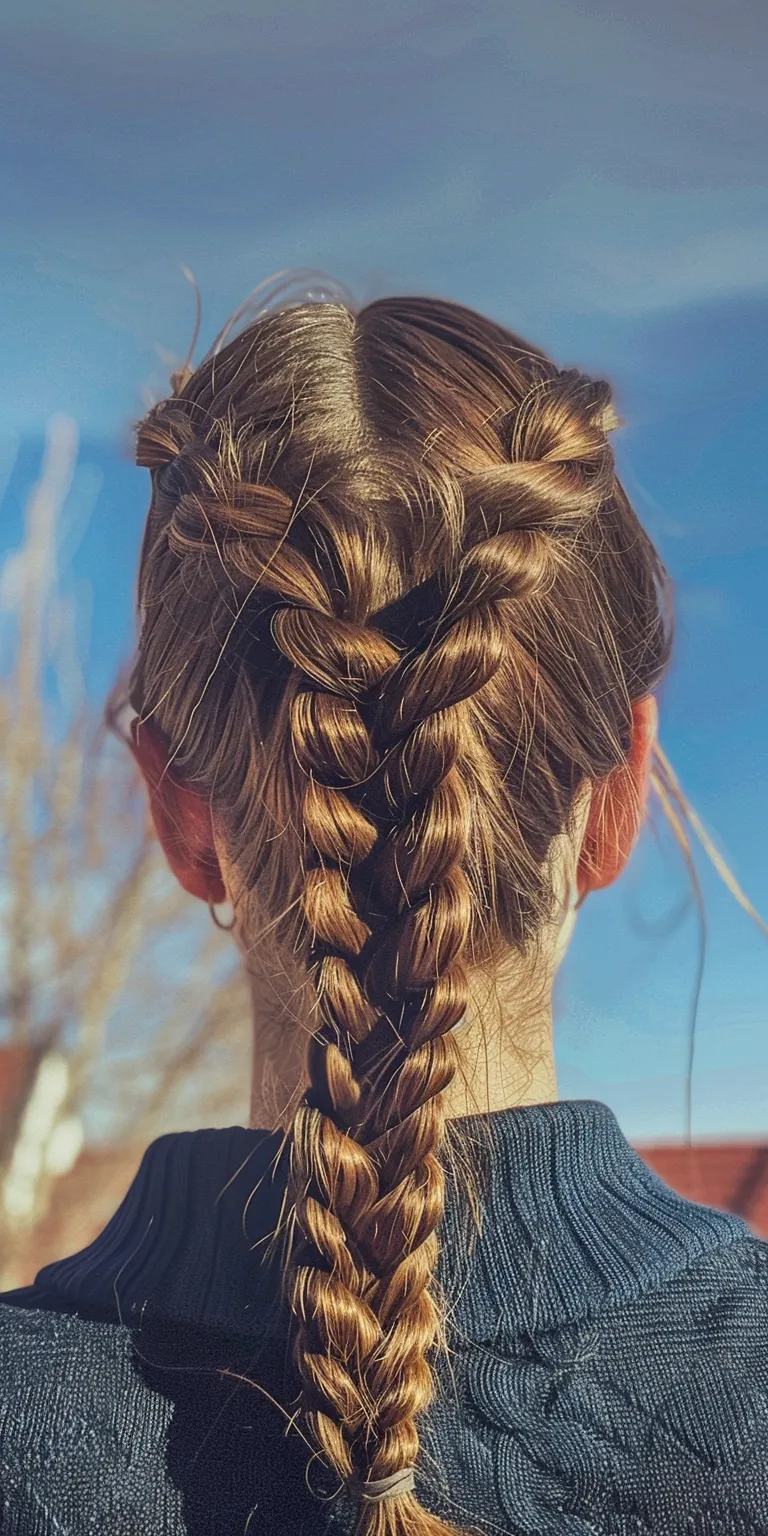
(396, 609)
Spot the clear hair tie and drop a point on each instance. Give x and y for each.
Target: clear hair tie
(380, 1488)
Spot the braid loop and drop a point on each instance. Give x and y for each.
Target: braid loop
(382, 697)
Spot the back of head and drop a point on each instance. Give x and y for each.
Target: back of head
(396, 609)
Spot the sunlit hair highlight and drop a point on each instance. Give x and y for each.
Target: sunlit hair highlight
(390, 771)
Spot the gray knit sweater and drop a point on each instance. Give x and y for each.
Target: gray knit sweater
(607, 1369)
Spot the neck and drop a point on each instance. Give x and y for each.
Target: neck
(507, 1055)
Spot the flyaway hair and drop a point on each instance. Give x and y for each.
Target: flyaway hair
(396, 609)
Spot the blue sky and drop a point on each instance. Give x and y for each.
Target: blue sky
(593, 175)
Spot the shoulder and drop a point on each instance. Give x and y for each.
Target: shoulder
(57, 1372)
(651, 1415)
(712, 1316)
(64, 1448)
(153, 1427)
(32, 1337)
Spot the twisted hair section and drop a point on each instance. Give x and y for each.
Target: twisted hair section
(395, 609)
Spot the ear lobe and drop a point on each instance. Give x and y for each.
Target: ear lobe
(618, 806)
(182, 818)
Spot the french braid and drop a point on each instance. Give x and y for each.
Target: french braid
(383, 757)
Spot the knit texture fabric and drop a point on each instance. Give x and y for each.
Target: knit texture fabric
(606, 1368)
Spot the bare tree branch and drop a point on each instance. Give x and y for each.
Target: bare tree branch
(112, 974)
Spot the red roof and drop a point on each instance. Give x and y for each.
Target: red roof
(15, 1065)
(732, 1176)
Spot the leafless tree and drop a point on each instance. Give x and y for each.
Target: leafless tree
(123, 1011)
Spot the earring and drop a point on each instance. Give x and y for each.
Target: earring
(225, 927)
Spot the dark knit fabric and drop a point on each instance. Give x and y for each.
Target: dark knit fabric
(606, 1369)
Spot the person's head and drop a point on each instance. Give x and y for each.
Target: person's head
(400, 634)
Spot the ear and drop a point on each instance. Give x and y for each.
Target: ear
(182, 818)
(618, 806)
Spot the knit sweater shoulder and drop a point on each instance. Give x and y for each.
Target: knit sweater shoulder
(605, 1368)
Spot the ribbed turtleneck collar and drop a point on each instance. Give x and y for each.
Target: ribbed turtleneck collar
(571, 1220)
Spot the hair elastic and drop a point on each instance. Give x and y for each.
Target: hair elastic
(381, 1488)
